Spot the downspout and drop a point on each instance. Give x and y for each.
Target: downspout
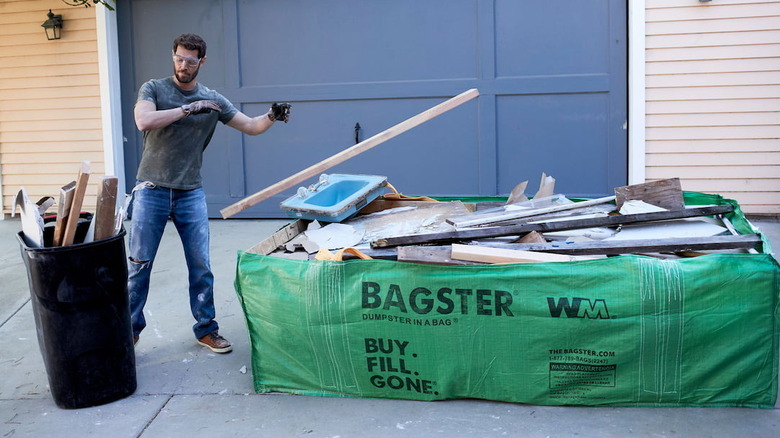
(110, 93)
(636, 92)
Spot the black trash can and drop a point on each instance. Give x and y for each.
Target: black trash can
(82, 316)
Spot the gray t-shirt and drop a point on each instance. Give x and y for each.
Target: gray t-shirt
(173, 155)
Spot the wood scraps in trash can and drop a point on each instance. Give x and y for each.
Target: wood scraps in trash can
(69, 218)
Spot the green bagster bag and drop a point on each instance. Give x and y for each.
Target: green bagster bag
(624, 331)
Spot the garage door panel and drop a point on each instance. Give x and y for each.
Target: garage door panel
(305, 42)
(157, 23)
(559, 134)
(551, 37)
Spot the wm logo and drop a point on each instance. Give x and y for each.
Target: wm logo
(578, 308)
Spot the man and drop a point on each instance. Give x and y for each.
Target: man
(178, 116)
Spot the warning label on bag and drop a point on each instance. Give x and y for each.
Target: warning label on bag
(576, 374)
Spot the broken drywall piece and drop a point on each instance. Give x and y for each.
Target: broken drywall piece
(518, 194)
(536, 203)
(427, 217)
(335, 236)
(681, 228)
(302, 241)
(546, 186)
(635, 206)
(32, 222)
(582, 234)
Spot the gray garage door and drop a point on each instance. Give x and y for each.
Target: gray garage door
(551, 75)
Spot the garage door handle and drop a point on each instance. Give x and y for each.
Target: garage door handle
(357, 133)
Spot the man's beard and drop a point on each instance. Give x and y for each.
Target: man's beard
(186, 79)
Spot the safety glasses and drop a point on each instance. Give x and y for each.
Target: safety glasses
(189, 62)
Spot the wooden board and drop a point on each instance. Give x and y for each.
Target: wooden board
(105, 211)
(75, 206)
(487, 254)
(346, 154)
(381, 204)
(63, 211)
(482, 219)
(617, 247)
(440, 255)
(665, 193)
(279, 238)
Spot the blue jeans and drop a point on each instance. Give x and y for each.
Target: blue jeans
(151, 207)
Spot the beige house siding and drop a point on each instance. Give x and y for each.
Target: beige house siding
(713, 98)
(50, 117)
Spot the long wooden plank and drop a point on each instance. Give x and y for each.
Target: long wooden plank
(618, 247)
(485, 254)
(476, 219)
(515, 230)
(439, 255)
(75, 206)
(346, 154)
(607, 247)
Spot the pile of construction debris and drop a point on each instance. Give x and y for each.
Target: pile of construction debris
(649, 219)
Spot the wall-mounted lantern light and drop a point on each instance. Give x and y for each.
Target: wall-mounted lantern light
(53, 26)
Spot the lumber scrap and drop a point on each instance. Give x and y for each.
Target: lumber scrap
(727, 223)
(381, 204)
(63, 210)
(75, 206)
(516, 230)
(348, 153)
(665, 193)
(440, 255)
(279, 238)
(105, 210)
(608, 248)
(475, 220)
(617, 247)
(486, 254)
(532, 237)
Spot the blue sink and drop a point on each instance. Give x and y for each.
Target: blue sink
(335, 197)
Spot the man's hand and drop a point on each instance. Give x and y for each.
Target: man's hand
(200, 107)
(279, 111)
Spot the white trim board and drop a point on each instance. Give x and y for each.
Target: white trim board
(110, 93)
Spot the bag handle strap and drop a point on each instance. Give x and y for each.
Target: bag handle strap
(399, 197)
(324, 254)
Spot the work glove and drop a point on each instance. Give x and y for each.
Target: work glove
(200, 107)
(279, 111)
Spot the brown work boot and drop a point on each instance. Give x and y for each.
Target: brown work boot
(216, 343)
